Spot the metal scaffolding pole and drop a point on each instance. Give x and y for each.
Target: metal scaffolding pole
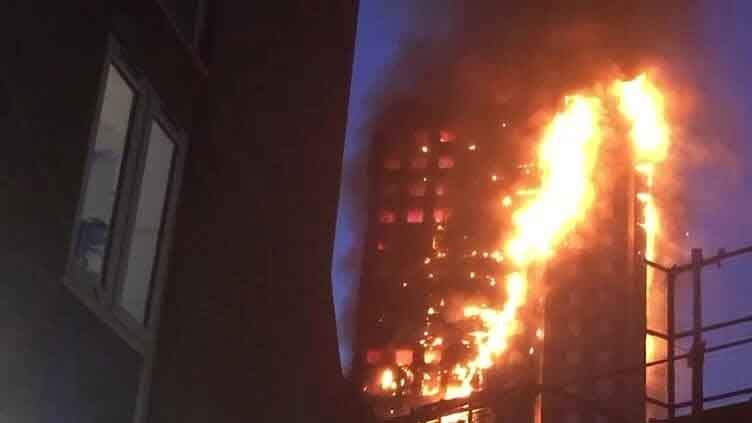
(671, 344)
(697, 357)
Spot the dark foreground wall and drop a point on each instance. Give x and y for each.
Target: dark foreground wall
(60, 363)
(248, 330)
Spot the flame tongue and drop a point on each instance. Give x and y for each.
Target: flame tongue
(567, 157)
(643, 105)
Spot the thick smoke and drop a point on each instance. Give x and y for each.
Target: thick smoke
(522, 56)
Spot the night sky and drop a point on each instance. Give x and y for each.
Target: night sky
(719, 203)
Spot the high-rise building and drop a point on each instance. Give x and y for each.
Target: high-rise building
(441, 208)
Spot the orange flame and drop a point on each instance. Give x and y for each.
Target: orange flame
(644, 106)
(388, 383)
(567, 157)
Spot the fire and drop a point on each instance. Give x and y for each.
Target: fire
(388, 382)
(545, 216)
(567, 157)
(644, 106)
(464, 387)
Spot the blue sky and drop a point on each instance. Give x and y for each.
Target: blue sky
(720, 201)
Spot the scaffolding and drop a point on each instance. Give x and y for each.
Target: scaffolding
(696, 355)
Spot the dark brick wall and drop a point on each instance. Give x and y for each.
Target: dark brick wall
(58, 362)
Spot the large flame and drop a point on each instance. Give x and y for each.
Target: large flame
(567, 157)
(644, 106)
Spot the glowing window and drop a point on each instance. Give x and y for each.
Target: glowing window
(440, 215)
(380, 246)
(446, 162)
(415, 216)
(446, 136)
(418, 189)
(387, 216)
(403, 357)
(440, 189)
(419, 163)
(392, 164)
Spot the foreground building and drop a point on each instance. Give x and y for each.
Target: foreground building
(158, 157)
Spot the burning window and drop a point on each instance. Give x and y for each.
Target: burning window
(387, 216)
(447, 136)
(440, 215)
(380, 245)
(446, 162)
(415, 216)
(419, 163)
(418, 189)
(403, 357)
(392, 164)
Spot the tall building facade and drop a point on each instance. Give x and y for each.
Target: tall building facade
(440, 210)
(594, 350)
(441, 204)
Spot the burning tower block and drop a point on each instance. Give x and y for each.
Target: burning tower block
(535, 311)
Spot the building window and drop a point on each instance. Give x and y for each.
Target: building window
(122, 227)
(390, 190)
(440, 215)
(440, 189)
(387, 216)
(103, 179)
(392, 163)
(418, 189)
(446, 162)
(446, 136)
(145, 232)
(415, 216)
(419, 163)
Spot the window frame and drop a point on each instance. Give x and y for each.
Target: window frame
(146, 330)
(103, 299)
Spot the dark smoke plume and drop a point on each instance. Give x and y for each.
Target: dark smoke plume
(506, 57)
